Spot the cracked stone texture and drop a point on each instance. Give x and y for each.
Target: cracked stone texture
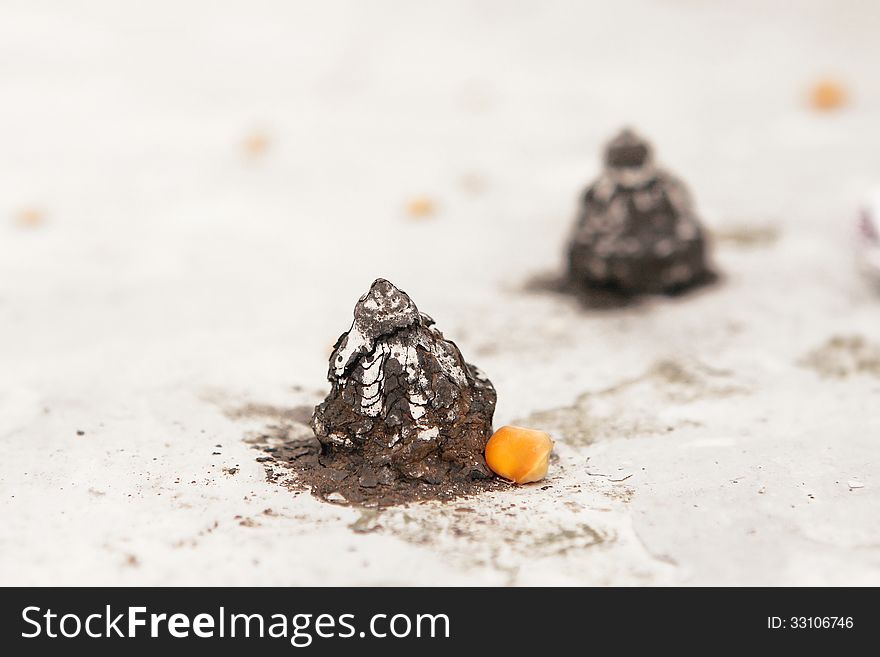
(636, 230)
(403, 398)
(181, 293)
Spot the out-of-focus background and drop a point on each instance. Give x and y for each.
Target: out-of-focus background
(194, 194)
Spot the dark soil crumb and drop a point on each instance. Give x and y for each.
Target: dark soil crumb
(292, 457)
(605, 298)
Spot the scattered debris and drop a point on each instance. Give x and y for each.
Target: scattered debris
(608, 477)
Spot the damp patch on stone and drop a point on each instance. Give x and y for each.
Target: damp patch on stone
(406, 419)
(619, 412)
(590, 298)
(606, 298)
(842, 356)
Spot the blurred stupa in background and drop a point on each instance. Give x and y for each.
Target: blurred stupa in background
(636, 230)
(868, 238)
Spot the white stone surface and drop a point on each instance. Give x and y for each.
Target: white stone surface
(174, 277)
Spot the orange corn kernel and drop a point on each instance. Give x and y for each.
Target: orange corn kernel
(519, 455)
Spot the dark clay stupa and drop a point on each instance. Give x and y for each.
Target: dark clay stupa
(404, 404)
(636, 230)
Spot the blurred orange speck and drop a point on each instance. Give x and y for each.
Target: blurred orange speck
(30, 217)
(827, 95)
(420, 207)
(256, 144)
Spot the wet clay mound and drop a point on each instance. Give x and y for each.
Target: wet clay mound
(406, 418)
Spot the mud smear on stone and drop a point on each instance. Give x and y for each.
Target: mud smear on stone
(608, 297)
(555, 538)
(301, 414)
(577, 528)
(747, 236)
(842, 356)
(292, 457)
(406, 419)
(502, 536)
(620, 412)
